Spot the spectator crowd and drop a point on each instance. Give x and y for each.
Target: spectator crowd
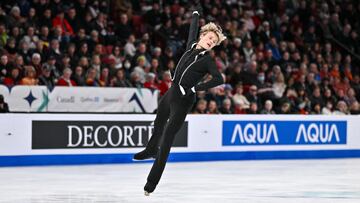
(280, 57)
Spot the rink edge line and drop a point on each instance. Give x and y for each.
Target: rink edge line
(78, 159)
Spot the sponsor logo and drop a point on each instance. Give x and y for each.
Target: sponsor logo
(283, 132)
(65, 99)
(89, 99)
(96, 134)
(112, 100)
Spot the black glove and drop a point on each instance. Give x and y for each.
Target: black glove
(198, 8)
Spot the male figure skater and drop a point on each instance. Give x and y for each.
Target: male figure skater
(173, 107)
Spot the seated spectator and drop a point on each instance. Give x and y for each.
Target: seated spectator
(30, 76)
(150, 81)
(165, 83)
(253, 108)
(316, 98)
(268, 108)
(59, 20)
(78, 77)
(266, 89)
(250, 77)
(302, 102)
(228, 91)
(239, 98)
(4, 66)
(104, 77)
(279, 86)
(239, 109)
(129, 48)
(236, 76)
(120, 80)
(328, 108)
(36, 63)
(316, 109)
(46, 78)
(212, 107)
(91, 78)
(96, 63)
(285, 108)
(65, 79)
(328, 96)
(355, 108)
(11, 46)
(350, 97)
(51, 64)
(226, 107)
(141, 68)
(288, 102)
(84, 63)
(31, 38)
(135, 80)
(4, 107)
(200, 107)
(13, 79)
(341, 108)
(252, 95)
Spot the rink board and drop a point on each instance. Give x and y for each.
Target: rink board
(60, 139)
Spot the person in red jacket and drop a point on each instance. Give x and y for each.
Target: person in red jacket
(59, 20)
(13, 79)
(150, 81)
(165, 83)
(65, 79)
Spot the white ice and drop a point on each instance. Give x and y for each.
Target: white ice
(332, 180)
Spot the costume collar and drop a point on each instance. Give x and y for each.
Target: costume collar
(203, 51)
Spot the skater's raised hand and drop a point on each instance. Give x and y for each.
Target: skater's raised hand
(198, 8)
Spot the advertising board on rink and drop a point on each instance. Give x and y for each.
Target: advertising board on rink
(79, 99)
(51, 139)
(283, 132)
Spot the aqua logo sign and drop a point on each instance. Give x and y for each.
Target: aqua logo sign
(283, 132)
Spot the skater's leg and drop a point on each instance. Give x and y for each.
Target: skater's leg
(162, 116)
(177, 118)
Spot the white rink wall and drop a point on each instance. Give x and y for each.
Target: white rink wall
(53, 139)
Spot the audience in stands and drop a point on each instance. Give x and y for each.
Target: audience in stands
(283, 57)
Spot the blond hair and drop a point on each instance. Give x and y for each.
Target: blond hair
(212, 27)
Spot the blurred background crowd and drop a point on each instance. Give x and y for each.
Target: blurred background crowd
(280, 56)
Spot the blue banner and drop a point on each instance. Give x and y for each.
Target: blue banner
(283, 132)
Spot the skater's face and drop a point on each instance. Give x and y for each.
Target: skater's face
(208, 40)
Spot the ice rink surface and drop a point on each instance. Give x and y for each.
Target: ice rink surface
(327, 180)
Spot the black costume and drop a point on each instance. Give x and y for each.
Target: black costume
(177, 101)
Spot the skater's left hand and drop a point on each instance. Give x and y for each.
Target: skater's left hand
(198, 8)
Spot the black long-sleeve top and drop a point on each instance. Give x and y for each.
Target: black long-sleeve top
(196, 63)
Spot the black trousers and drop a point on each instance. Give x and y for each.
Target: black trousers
(171, 114)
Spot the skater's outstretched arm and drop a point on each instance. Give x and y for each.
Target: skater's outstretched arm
(194, 27)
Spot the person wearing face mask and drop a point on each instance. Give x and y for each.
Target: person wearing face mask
(4, 107)
(173, 107)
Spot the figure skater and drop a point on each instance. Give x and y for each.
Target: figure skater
(173, 107)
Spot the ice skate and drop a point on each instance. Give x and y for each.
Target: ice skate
(145, 154)
(149, 188)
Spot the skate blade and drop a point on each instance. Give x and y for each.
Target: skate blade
(146, 193)
(148, 159)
